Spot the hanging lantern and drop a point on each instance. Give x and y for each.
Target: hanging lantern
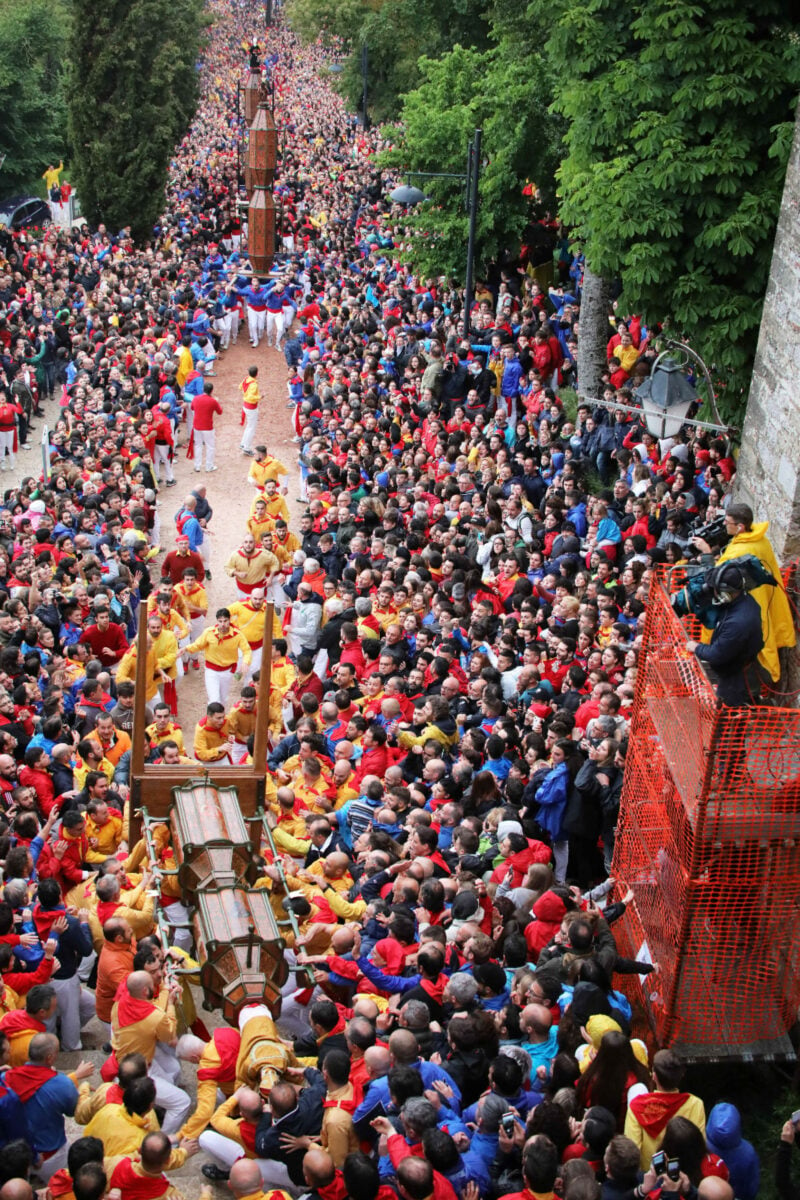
(261, 232)
(212, 846)
(252, 95)
(262, 146)
(240, 950)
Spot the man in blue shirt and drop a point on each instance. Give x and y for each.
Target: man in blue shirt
(47, 1098)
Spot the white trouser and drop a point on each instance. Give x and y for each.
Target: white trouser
(249, 431)
(218, 685)
(6, 448)
(224, 1151)
(172, 1099)
(207, 438)
(75, 1009)
(196, 627)
(256, 323)
(274, 327)
(234, 316)
(180, 913)
(86, 966)
(222, 327)
(161, 456)
(54, 1163)
(237, 753)
(204, 550)
(156, 531)
(288, 318)
(276, 594)
(254, 664)
(189, 420)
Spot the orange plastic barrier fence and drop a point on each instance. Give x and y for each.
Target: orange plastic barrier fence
(709, 841)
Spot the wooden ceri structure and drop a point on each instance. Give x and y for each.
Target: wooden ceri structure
(216, 816)
(151, 786)
(261, 162)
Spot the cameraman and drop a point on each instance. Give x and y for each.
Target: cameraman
(777, 624)
(736, 641)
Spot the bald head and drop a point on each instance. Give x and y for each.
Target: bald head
(403, 1048)
(245, 1177)
(536, 1020)
(336, 864)
(282, 1099)
(16, 1189)
(377, 1060)
(318, 1169)
(140, 985)
(710, 1188)
(251, 1106)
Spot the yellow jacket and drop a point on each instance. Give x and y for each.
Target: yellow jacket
(250, 393)
(122, 1132)
(777, 623)
(254, 568)
(692, 1110)
(251, 622)
(270, 468)
(108, 837)
(211, 745)
(221, 650)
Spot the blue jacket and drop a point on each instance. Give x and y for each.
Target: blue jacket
(12, 1115)
(378, 1089)
(724, 1137)
(45, 1112)
(512, 373)
(552, 796)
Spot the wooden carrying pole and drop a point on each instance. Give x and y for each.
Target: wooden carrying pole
(151, 786)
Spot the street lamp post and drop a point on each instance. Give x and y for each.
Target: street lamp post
(364, 75)
(409, 196)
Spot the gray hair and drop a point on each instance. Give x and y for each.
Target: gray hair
(462, 987)
(417, 1014)
(490, 1111)
(363, 606)
(418, 1115)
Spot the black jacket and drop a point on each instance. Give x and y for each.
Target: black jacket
(305, 1119)
(735, 643)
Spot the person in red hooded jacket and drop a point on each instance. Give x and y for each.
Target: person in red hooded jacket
(548, 912)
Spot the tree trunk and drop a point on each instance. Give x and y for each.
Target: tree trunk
(593, 334)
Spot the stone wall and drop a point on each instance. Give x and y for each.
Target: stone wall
(768, 477)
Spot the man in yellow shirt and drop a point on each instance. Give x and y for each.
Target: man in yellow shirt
(140, 1023)
(264, 467)
(260, 524)
(251, 567)
(251, 398)
(211, 735)
(105, 829)
(163, 728)
(284, 543)
(221, 645)
(276, 505)
(249, 617)
(123, 1127)
(216, 1070)
(195, 600)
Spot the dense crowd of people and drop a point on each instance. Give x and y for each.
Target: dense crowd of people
(459, 614)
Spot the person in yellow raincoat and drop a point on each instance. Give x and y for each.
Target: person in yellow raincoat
(777, 621)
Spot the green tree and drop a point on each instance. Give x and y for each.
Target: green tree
(32, 129)
(133, 87)
(679, 122)
(312, 18)
(506, 92)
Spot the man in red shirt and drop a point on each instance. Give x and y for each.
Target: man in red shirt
(205, 407)
(106, 640)
(177, 561)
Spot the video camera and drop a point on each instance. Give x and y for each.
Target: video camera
(713, 532)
